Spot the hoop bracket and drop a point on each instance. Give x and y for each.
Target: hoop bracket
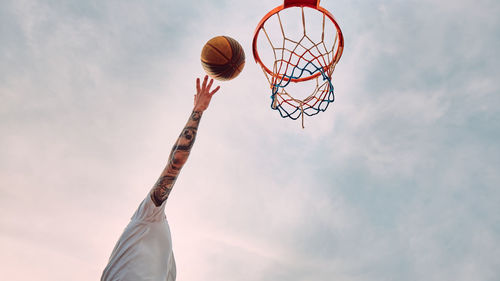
(301, 3)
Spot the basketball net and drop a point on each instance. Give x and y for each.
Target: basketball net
(304, 60)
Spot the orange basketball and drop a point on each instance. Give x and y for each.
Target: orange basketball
(222, 58)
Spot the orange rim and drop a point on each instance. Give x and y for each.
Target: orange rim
(297, 3)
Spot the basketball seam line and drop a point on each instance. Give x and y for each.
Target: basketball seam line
(217, 50)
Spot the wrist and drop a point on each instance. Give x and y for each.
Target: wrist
(196, 114)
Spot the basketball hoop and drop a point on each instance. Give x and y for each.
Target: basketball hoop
(298, 60)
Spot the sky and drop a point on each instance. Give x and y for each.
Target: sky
(397, 180)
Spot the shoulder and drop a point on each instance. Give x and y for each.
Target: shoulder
(148, 211)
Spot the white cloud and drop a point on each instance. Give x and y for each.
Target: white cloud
(396, 180)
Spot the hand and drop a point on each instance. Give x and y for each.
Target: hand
(203, 94)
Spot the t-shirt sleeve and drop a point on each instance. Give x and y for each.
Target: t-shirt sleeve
(148, 212)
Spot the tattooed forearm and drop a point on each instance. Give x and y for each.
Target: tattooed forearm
(196, 115)
(189, 134)
(178, 156)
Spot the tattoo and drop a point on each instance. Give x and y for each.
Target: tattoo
(196, 115)
(188, 135)
(178, 156)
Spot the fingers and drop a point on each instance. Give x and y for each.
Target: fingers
(204, 86)
(204, 95)
(210, 84)
(215, 90)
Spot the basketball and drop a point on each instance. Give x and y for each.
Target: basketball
(222, 58)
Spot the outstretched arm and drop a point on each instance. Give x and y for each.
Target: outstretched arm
(182, 147)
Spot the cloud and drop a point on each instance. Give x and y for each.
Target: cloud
(396, 180)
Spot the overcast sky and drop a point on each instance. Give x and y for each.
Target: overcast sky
(398, 180)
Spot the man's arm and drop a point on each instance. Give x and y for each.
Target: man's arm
(182, 147)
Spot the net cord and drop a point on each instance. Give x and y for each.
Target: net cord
(325, 63)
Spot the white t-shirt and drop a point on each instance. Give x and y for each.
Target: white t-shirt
(144, 250)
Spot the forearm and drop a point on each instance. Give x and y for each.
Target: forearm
(178, 156)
